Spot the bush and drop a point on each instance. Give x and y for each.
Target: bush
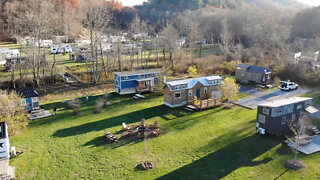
(75, 104)
(99, 106)
(12, 112)
(192, 71)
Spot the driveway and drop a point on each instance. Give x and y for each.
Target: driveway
(258, 96)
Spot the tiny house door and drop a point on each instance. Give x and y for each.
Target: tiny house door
(198, 93)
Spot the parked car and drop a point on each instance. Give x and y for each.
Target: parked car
(287, 86)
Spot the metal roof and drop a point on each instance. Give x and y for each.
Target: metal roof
(138, 72)
(26, 92)
(192, 82)
(255, 69)
(283, 102)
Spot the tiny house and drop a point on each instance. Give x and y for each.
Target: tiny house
(181, 92)
(139, 81)
(29, 98)
(273, 117)
(252, 74)
(4, 141)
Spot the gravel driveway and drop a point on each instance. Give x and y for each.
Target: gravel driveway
(258, 96)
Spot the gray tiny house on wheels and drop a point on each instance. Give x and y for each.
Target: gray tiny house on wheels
(252, 74)
(273, 117)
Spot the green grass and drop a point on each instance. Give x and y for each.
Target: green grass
(316, 97)
(209, 144)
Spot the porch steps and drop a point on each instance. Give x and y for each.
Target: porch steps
(315, 130)
(191, 108)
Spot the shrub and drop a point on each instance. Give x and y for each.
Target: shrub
(192, 71)
(12, 112)
(75, 104)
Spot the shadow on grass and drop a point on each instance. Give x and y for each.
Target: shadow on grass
(156, 111)
(224, 161)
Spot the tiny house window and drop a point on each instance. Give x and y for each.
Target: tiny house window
(265, 111)
(34, 99)
(177, 95)
(141, 76)
(283, 120)
(262, 118)
(117, 83)
(125, 77)
(190, 92)
(299, 107)
(293, 117)
(23, 102)
(205, 90)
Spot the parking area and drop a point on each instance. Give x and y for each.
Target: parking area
(258, 96)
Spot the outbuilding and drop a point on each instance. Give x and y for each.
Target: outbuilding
(29, 98)
(252, 74)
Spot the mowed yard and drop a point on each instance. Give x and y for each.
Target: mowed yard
(210, 144)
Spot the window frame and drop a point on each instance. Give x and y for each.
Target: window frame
(190, 92)
(178, 92)
(34, 99)
(205, 90)
(262, 118)
(265, 111)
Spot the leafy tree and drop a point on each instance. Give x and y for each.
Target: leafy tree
(12, 112)
(229, 88)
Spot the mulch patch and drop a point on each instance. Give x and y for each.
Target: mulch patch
(294, 164)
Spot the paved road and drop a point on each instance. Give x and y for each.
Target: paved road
(258, 96)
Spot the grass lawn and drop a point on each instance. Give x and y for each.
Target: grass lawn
(316, 97)
(209, 144)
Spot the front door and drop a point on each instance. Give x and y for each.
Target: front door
(198, 93)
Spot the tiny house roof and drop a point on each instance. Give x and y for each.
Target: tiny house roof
(138, 72)
(283, 102)
(192, 82)
(254, 69)
(26, 92)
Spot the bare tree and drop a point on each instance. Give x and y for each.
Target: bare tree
(96, 21)
(169, 41)
(194, 35)
(225, 42)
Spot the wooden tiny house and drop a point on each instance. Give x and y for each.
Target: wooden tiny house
(200, 92)
(139, 81)
(252, 74)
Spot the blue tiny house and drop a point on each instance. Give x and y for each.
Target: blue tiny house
(139, 81)
(29, 98)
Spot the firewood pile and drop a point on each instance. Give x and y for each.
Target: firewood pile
(111, 138)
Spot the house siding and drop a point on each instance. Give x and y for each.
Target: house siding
(128, 83)
(242, 74)
(185, 97)
(273, 124)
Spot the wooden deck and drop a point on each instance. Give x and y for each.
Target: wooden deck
(205, 104)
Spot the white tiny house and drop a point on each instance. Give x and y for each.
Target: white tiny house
(4, 141)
